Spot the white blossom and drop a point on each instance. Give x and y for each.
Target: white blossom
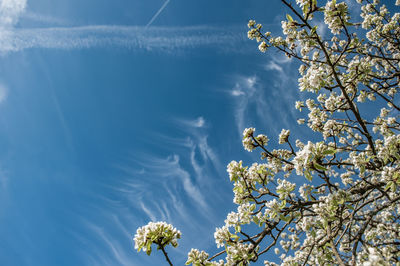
(159, 233)
(284, 136)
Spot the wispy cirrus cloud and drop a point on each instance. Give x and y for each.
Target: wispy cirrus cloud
(10, 11)
(43, 19)
(165, 184)
(272, 65)
(105, 245)
(236, 92)
(115, 252)
(178, 188)
(258, 100)
(284, 88)
(246, 91)
(198, 131)
(171, 188)
(192, 123)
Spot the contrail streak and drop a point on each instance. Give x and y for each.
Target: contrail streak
(135, 38)
(158, 13)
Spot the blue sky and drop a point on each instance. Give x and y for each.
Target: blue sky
(116, 113)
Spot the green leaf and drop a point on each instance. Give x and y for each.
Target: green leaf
(283, 204)
(314, 235)
(341, 201)
(308, 176)
(313, 30)
(329, 152)
(396, 177)
(235, 237)
(240, 190)
(362, 169)
(237, 228)
(325, 223)
(148, 251)
(256, 220)
(389, 185)
(393, 187)
(320, 167)
(306, 8)
(289, 17)
(284, 218)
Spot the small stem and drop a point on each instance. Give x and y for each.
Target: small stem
(165, 254)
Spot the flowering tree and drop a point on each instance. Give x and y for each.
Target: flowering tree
(346, 210)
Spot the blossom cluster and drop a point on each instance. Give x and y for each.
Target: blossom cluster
(159, 233)
(250, 142)
(284, 136)
(357, 159)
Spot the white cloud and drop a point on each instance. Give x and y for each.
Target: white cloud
(196, 167)
(200, 122)
(273, 66)
(208, 153)
(149, 213)
(165, 39)
(250, 81)
(10, 11)
(279, 63)
(260, 100)
(195, 123)
(236, 92)
(111, 250)
(247, 88)
(176, 187)
(43, 19)
(173, 168)
(198, 140)
(165, 172)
